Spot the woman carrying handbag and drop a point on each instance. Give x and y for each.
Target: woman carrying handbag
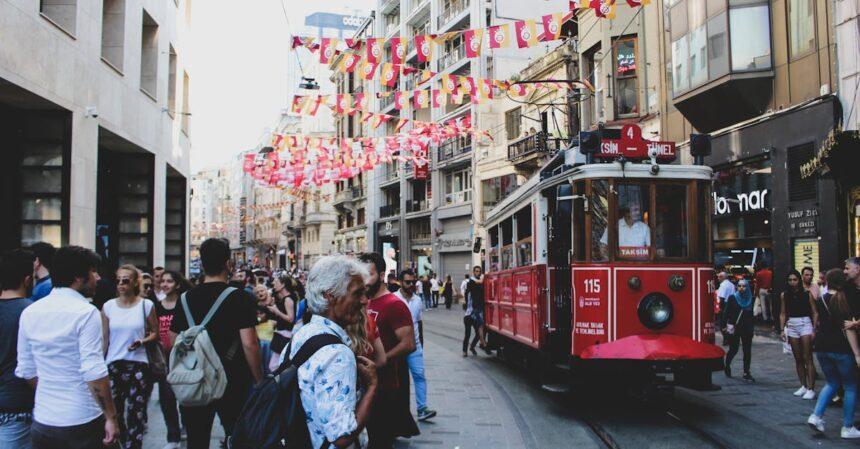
(130, 325)
(738, 327)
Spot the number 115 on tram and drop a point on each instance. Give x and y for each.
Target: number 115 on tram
(606, 268)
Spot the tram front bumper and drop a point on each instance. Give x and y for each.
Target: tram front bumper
(659, 353)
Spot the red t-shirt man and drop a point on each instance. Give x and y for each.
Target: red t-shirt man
(390, 314)
(764, 279)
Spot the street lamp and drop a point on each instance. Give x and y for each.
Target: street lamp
(309, 84)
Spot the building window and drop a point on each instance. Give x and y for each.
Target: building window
(513, 121)
(801, 26)
(62, 13)
(360, 217)
(626, 80)
(174, 226)
(186, 95)
(594, 76)
(171, 82)
(113, 32)
(699, 31)
(149, 56)
(750, 30)
(495, 189)
(458, 187)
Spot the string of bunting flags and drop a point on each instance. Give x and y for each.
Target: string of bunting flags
(302, 161)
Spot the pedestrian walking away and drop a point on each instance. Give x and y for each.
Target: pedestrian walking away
(336, 296)
(231, 330)
(173, 285)
(60, 341)
(129, 324)
(838, 353)
(415, 360)
(16, 397)
(390, 417)
(763, 283)
(44, 253)
(448, 292)
(797, 315)
(474, 316)
(738, 327)
(434, 290)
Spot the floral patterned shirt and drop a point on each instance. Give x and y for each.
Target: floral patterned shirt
(327, 382)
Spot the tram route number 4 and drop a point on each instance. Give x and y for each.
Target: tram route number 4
(632, 146)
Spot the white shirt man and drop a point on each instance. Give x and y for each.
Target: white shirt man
(463, 286)
(434, 284)
(415, 360)
(726, 288)
(634, 236)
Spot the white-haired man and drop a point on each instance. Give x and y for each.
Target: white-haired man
(335, 293)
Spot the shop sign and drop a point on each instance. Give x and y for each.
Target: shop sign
(803, 223)
(447, 243)
(744, 202)
(806, 253)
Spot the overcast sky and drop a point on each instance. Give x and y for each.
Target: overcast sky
(239, 54)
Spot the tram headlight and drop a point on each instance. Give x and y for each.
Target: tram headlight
(656, 311)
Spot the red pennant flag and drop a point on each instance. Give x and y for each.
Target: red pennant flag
(401, 99)
(551, 27)
(420, 100)
(400, 124)
(449, 83)
(500, 36)
(526, 31)
(424, 47)
(368, 70)
(350, 62)
(389, 74)
(315, 106)
(353, 44)
(374, 50)
(473, 39)
(398, 50)
(438, 98)
(327, 49)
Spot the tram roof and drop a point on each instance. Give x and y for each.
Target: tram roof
(614, 170)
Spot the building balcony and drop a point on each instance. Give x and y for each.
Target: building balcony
(416, 5)
(529, 150)
(347, 196)
(452, 12)
(452, 57)
(413, 206)
(390, 176)
(386, 102)
(454, 148)
(458, 197)
(389, 211)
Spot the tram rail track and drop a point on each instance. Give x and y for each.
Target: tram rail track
(598, 427)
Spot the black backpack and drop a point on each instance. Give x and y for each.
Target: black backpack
(273, 416)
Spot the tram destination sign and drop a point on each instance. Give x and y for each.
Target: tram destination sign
(632, 146)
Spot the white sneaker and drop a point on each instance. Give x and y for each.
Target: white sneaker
(800, 391)
(850, 432)
(816, 423)
(810, 394)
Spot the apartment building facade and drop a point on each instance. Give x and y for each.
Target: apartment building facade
(759, 77)
(95, 108)
(430, 224)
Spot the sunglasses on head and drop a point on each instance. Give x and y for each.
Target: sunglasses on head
(123, 281)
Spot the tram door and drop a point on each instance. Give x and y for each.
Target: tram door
(559, 239)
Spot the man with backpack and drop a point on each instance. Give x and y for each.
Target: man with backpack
(213, 318)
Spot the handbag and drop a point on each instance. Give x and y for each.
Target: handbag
(730, 328)
(154, 352)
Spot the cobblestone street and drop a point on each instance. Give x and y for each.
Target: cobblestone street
(484, 402)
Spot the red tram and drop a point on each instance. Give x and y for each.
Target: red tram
(605, 268)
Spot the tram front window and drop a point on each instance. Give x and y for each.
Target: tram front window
(671, 217)
(634, 235)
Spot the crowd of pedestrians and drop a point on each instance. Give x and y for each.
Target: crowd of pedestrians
(82, 350)
(817, 319)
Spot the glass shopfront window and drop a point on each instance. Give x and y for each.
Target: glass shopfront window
(742, 215)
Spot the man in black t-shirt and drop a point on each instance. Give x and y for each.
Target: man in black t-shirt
(232, 332)
(852, 289)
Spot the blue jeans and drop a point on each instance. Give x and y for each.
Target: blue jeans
(838, 371)
(15, 430)
(428, 301)
(416, 367)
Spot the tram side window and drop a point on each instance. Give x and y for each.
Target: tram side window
(524, 236)
(494, 249)
(507, 244)
(671, 221)
(599, 213)
(579, 223)
(705, 205)
(634, 235)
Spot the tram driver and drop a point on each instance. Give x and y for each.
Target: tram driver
(634, 236)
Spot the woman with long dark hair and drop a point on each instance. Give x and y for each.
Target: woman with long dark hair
(797, 317)
(737, 326)
(838, 354)
(173, 285)
(448, 291)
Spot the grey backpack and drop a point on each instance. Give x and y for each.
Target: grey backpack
(196, 373)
